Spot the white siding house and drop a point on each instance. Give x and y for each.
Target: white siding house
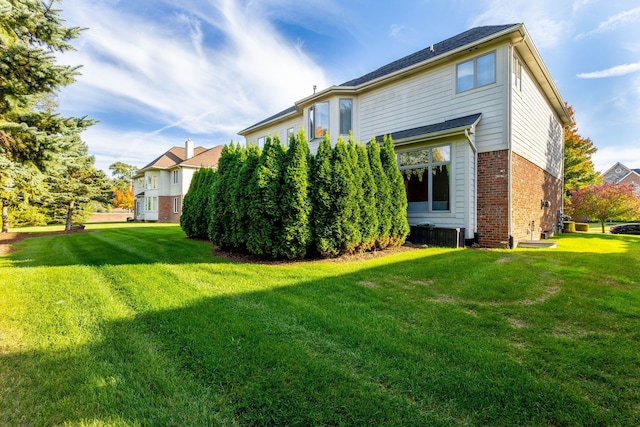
(478, 127)
(160, 186)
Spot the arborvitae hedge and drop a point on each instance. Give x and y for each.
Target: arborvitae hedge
(398, 194)
(383, 195)
(242, 198)
(289, 204)
(295, 203)
(265, 226)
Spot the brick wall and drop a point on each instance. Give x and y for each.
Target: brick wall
(165, 209)
(530, 185)
(493, 199)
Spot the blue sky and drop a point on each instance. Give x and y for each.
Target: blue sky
(155, 73)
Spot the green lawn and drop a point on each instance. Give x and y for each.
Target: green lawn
(136, 325)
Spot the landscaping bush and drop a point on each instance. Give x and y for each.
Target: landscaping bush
(581, 226)
(288, 204)
(569, 227)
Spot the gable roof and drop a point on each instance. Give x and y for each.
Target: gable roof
(175, 156)
(468, 37)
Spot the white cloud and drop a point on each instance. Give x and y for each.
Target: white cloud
(619, 70)
(614, 22)
(628, 155)
(165, 72)
(543, 18)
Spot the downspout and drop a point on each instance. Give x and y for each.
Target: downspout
(509, 138)
(475, 183)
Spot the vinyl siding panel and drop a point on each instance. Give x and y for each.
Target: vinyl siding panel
(279, 128)
(430, 97)
(536, 130)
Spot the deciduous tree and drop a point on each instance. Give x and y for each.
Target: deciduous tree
(579, 171)
(605, 201)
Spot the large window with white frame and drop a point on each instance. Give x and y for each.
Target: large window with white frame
(152, 204)
(176, 205)
(476, 72)
(261, 142)
(427, 178)
(318, 119)
(346, 109)
(176, 176)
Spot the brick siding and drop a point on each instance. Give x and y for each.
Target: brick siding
(530, 185)
(493, 199)
(165, 209)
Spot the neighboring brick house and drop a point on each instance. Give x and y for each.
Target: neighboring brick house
(620, 174)
(160, 186)
(478, 127)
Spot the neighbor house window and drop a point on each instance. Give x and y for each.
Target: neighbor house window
(319, 119)
(175, 177)
(154, 180)
(477, 72)
(516, 73)
(261, 141)
(427, 178)
(346, 107)
(176, 205)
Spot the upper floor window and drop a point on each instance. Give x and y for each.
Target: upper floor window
(476, 72)
(346, 107)
(154, 181)
(261, 141)
(176, 176)
(319, 119)
(516, 73)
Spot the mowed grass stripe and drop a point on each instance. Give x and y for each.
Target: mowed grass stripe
(425, 337)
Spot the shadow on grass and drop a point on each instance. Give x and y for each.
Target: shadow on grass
(406, 343)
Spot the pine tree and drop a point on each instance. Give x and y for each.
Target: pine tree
(357, 175)
(383, 195)
(74, 184)
(30, 32)
(398, 196)
(265, 213)
(295, 202)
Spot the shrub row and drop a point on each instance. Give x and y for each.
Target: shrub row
(286, 203)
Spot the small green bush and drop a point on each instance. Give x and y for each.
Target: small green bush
(569, 227)
(581, 226)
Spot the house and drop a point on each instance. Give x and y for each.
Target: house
(620, 174)
(478, 126)
(160, 186)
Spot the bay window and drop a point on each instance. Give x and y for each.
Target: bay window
(346, 107)
(318, 120)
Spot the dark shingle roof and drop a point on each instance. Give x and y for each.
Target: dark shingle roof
(448, 45)
(275, 116)
(457, 123)
(445, 46)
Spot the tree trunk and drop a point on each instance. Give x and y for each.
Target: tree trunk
(67, 226)
(5, 216)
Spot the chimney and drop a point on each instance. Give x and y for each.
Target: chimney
(188, 149)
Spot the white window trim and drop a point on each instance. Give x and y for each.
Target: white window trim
(429, 170)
